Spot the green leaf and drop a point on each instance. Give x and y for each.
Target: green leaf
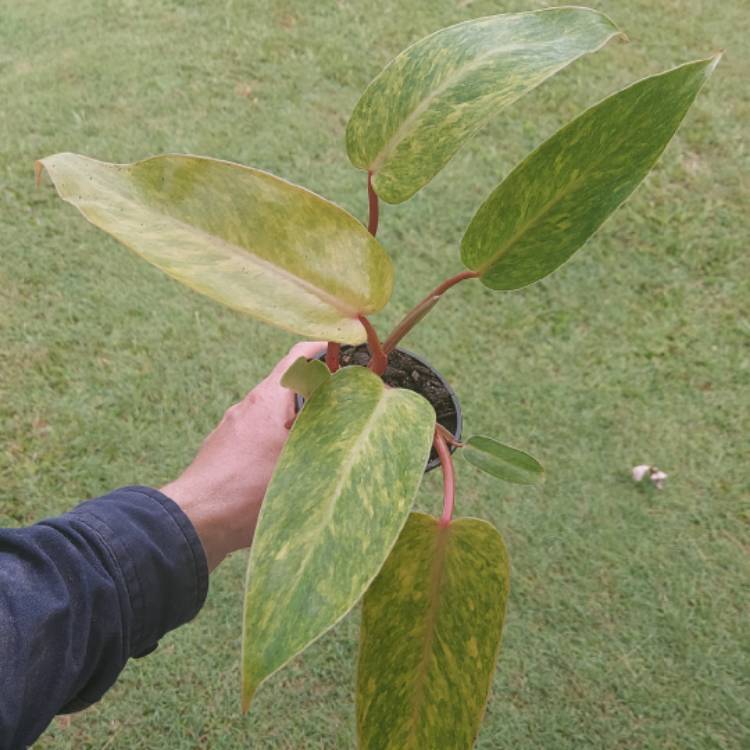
(437, 93)
(339, 497)
(305, 375)
(431, 627)
(241, 236)
(502, 461)
(552, 202)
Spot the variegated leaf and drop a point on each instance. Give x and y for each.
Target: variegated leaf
(502, 461)
(433, 96)
(305, 375)
(431, 627)
(248, 239)
(552, 202)
(339, 497)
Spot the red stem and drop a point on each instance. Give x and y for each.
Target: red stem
(378, 358)
(419, 311)
(333, 352)
(449, 478)
(372, 199)
(334, 349)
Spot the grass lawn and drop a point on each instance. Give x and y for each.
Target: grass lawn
(628, 617)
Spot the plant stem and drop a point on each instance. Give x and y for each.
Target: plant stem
(447, 436)
(372, 199)
(449, 478)
(378, 358)
(334, 349)
(333, 352)
(419, 311)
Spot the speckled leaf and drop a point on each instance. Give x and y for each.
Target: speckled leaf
(241, 236)
(339, 497)
(415, 115)
(502, 461)
(431, 627)
(552, 202)
(305, 375)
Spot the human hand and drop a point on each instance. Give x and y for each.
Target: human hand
(222, 490)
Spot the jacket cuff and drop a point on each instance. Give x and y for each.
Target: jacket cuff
(159, 554)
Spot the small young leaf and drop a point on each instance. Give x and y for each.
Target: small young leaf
(339, 497)
(502, 461)
(245, 238)
(305, 375)
(437, 93)
(552, 202)
(431, 627)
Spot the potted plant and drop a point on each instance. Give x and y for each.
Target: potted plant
(337, 523)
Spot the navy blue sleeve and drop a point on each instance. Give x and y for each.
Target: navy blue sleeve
(82, 593)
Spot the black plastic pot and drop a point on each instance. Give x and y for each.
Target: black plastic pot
(407, 370)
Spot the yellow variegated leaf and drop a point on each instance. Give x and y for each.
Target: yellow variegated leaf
(431, 627)
(250, 240)
(437, 93)
(555, 199)
(339, 497)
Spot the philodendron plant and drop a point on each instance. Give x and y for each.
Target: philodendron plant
(337, 522)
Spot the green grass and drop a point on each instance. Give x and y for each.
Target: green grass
(628, 618)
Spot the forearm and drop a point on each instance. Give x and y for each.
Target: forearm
(82, 593)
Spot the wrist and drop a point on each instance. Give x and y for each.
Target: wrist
(223, 518)
(206, 524)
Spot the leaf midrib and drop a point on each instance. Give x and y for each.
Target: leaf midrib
(400, 134)
(437, 573)
(345, 472)
(266, 266)
(527, 226)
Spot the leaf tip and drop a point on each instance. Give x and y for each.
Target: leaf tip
(616, 32)
(248, 691)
